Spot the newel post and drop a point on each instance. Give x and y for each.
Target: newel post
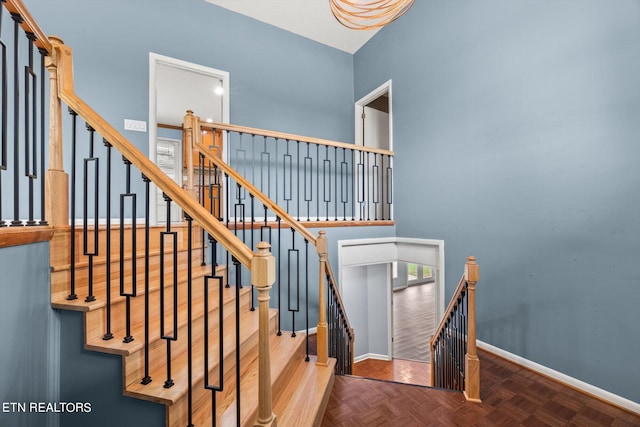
(189, 129)
(472, 363)
(322, 343)
(263, 275)
(57, 180)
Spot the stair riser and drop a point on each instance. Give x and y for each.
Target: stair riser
(61, 243)
(60, 280)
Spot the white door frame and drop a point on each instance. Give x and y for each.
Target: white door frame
(359, 109)
(385, 250)
(156, 59)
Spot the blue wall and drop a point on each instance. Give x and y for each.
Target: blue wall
(519, 121)
(29, 336)
(279, 80)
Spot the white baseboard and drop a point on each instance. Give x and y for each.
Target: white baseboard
(371, 356)
(574, 383)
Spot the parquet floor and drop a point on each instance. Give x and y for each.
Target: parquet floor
(398, 370)
(511, 396)
(414, 321)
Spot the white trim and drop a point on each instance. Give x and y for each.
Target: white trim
(387, 253)
(371, 356)
(154, 60)
(360, 104)
(582, 386)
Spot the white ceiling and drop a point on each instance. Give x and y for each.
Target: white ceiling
(308, 18)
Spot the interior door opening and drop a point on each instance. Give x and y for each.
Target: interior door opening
(176, 86)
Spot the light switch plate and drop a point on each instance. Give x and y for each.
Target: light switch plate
(135, 125)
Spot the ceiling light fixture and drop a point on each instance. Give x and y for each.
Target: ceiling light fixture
(218, 90)
(368, 15)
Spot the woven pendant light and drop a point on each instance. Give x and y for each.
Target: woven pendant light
(368, 14)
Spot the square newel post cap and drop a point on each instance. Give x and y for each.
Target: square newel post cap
(472, 270)
(263, 266)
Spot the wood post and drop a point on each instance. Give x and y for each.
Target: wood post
(189, 133)
(57, 180)
(322, 343)
(263, 275)
(472, 363)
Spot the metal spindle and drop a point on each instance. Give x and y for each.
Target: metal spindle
(17, 19)
(30, 127)
(238, 267)
(163, 332)
(207, 385)
(3, 132)
(72, 243)
(93, 251)
(189, 319)
(43, 219)
(147, 224)
(295, 278)
(108, 334)
(278, 221)
(128, 195)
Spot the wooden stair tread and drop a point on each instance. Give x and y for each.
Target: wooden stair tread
(303, 401)
(117, 346)
(155, 390)
(59, 299)
(283, 349)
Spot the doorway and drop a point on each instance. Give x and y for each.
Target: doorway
(176, 86)
(374, 129)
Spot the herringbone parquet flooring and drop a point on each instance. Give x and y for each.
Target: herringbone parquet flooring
(414, 321)
(511, 396)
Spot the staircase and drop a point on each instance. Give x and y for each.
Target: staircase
(300, 389)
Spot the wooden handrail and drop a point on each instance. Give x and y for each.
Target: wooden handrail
(339, 297)
(293, 137)
(452, 303)
(66, 92)
(281, 213)
(28, 24)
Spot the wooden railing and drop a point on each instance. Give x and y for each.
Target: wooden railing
(454, 358)
(314, 180)
(209, 168)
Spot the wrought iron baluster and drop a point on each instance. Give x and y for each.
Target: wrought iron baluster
(344, 190)
(308, 182)
(72, 237)
(287, 166)
(93, 251)
(30, 127)
(43, 219)
(147, 224)
(306, 295)
(4, 142)
(17, 19)
(189, 319)
(108, 334)
(128, 195)
(238, 267)
(293, 277)
(279, 281)
(252, 197)
(207, 385)
(164, 334)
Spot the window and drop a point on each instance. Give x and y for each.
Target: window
(418, 273)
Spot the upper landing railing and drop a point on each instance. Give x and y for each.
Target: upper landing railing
(312, 179)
